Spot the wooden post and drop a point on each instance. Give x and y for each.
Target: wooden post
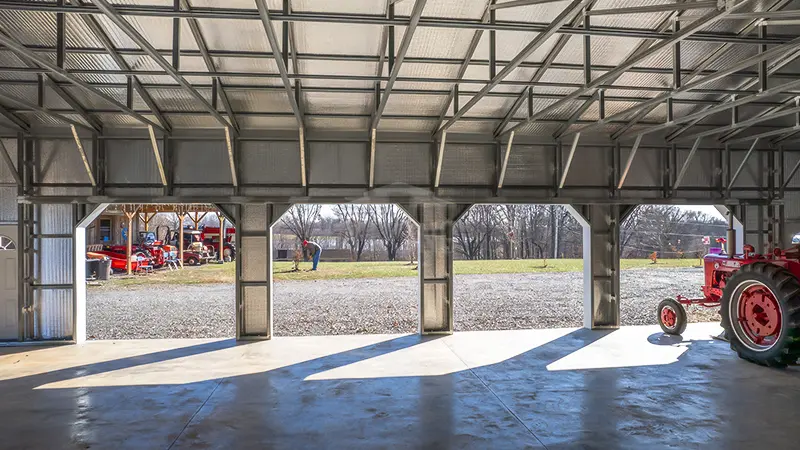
(221, 237)
(130, 212)
(181, 216)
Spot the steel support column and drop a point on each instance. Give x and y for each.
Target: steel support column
(435, 222)
(601, 287)
(254, 269)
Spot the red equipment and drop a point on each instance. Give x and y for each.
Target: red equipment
(759, 300)
(211, 238)
(118, 261)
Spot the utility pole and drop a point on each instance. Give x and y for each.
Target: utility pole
(554, 230)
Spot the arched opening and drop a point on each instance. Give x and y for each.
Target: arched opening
(366, 279)
(160, 271)
(517, 266)
(661, 251)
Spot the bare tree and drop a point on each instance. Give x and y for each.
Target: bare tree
(475, 230)
(391, 223)
(301, 220)
(356, 220)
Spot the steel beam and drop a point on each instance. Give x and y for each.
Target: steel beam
(272, 37)
(741, 166)
(372, 158)
(377, 19)
(82, 153)
(563, 129)
(134, 83)
(416, 13)
(502, 176)
(74, 104)
(568, 14)
(686, 165)
(744, 123)
(518, 3)
(303, 175)
(157, 155)
(440, 160)
(46, 111)
(145, 45)
(680, 6)
(546, 64)
(452, 98)
(633, 60)
(194, 27)
(231, 160)
(571, 155)
(10, 164)
(16, 122)
(26, 53)
(702, 81)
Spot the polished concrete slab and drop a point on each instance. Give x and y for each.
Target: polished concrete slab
(563, 388)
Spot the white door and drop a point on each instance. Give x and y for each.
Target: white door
(9, 307)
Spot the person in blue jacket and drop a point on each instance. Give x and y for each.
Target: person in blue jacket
(316, 250)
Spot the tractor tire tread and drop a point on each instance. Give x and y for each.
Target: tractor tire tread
(788, 290)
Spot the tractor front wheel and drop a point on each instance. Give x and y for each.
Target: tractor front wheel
(192, 261)
(672, 316)
(761, 314)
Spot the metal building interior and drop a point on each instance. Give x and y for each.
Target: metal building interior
(254, 105)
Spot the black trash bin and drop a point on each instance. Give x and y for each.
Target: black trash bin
(92, 268)
(104, 269)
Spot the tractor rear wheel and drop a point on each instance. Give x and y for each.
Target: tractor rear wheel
(761, 314)
(192, 261)
(672, 316)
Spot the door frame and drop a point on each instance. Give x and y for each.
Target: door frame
(11, 229)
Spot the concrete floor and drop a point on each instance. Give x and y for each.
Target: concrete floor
(564, 388)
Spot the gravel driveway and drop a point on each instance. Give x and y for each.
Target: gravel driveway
(387, 305)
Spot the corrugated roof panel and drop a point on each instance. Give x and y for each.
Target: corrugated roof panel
(29, 27)
(348, 7)
(420, 70)
(474, 126)
(510, 43)
(53, 100)
(337, 102)
(350, 39)
(337, 123)
(563, 76)
(406, 125)
(431, 42)
(236, 4)
(157, 31)
(642, 80)
(24, 93)
(10, 59)
(420, 85)
(92, 101)
(249, 35)
(543, 13)
(489, 106)
(415, 104)
(178, 99)
(261, 101)
(83, 61)
(78, 34)
(121, 120)
(269, 123)
(252, 81)
(606, 50)
(248, 65)
(199, 121)
(642, 20)
(37, 118)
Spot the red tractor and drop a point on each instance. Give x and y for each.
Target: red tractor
(759, 301)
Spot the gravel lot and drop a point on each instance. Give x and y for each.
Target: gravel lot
(388, 305)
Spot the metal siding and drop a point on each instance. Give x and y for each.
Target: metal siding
(337, 163)
(131, 162)
(269, 162)
(61, 161)
(699, 172)
(590, 165)
(5, 173)
(55, 261)
(402, 164)
(645, 169)
(55, 219)
(749, 176)
(53, 314)
(468, 164)
(201, 162)
(529, 165)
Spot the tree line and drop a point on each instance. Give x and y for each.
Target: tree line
(501, 231)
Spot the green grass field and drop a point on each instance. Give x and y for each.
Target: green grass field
(216, 273)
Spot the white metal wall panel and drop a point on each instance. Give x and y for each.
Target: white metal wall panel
(131, 161)
(53, 314)
(790, 159)
(646, 167)
(269, 162)
(699, 172)
(529, 165)
(8, 204)
(52, 271)
(402, 164)
(591, 166)
(201, 162)
(468, 164)
(338, 163)
(61, 162)
(750, 175)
